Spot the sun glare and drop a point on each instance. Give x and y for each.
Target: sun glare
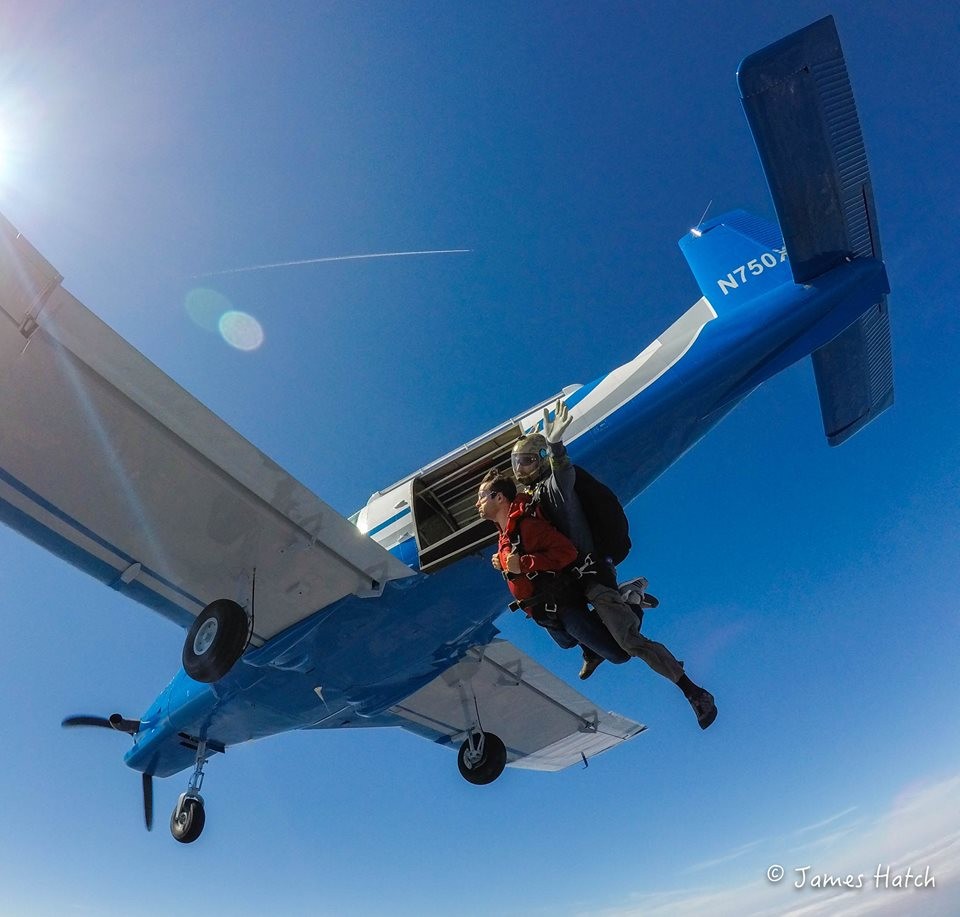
(6, 154)
(21, 116)
(11, 148)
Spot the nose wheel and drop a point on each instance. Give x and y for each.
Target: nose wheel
(188, 816)
(187, 819)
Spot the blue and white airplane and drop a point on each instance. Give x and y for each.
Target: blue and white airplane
(298, 618)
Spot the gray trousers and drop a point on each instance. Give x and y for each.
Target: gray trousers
(622, 624)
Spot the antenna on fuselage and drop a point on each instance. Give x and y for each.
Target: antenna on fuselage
(696, 229)
(253, 604)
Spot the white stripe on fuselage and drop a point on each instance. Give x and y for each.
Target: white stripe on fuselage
(610, 394)
(627, 381)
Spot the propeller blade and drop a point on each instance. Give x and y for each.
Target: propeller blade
(82, 719)
(120, 724)
(114, 721)
(148, 801)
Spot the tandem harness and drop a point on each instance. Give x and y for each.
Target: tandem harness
(563, 582)
(556, 586)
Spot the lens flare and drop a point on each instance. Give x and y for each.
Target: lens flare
(241, 330)
(205, 307)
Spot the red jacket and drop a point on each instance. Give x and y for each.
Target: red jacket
(542, 545)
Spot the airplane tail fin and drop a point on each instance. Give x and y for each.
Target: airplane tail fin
(798, 101)
(797, 97)
(751, 246)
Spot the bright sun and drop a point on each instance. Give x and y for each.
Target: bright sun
(6, 154)
(9, 152)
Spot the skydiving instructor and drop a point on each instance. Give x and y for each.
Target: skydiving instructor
(541, 464)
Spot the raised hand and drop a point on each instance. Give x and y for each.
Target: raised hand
(553, 429)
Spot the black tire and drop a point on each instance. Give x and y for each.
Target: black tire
(215, 641)
(491, 764)
(188, 826)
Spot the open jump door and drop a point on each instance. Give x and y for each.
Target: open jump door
(444, 501)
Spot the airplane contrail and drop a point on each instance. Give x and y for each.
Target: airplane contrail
(266, 267)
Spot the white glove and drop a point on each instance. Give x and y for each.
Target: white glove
(553, 429)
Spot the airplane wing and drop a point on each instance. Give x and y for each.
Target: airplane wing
(107, 462)
(543, 722)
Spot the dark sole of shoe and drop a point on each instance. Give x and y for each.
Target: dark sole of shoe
(708, 720)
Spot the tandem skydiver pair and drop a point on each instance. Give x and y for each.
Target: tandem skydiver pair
(560, 538)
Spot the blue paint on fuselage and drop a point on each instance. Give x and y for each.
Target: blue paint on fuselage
(734, 354)
(366, 655)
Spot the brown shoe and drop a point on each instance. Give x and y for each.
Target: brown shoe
(591, 661)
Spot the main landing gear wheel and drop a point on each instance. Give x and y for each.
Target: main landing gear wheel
(187, 820)
(482, 758)
(215, 641)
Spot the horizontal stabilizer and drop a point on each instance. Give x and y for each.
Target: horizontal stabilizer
(854, 375)
(798, 100)
(545, 724)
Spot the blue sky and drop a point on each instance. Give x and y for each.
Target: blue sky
(567, 146)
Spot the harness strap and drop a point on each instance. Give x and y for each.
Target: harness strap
(587, 568)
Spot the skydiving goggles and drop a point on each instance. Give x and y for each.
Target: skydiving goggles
(526, 459)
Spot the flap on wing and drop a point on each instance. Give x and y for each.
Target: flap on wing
(109, 463)
(543, 722)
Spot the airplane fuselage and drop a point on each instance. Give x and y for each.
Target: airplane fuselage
(348, 664)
